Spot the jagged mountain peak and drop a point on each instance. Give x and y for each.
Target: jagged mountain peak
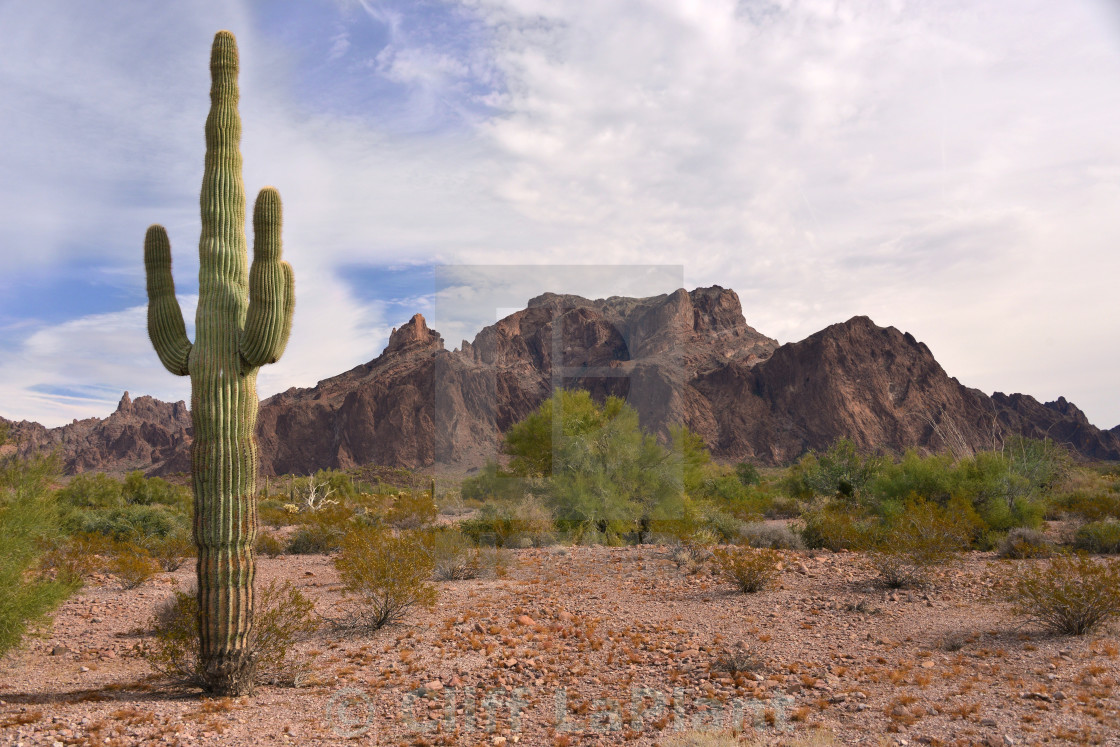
(685, 357)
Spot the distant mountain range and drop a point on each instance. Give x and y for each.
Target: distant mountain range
(685, 357)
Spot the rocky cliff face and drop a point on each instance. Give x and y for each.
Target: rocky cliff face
(144, 434)
(684, 357)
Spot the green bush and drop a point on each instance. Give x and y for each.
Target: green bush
(136, 523)
(841, 472)
(29, 517)
(1098, 537)
(915, 476)
(316, 538)
(493, 483)
(268, 544)
(724, 526)
(277, 513)
(1002, 495)
(522, 523)
(91, 491)
(283, 616)
(723, 490)
(412, 510)
(835, 526)
(131, 564)
(138, 490)
(320, 532)
(1090, 504)
(387, 574)
(923, 536)
(172, 550)
(1069, 595)
(748, 474)
(454, 557)
(604, 473)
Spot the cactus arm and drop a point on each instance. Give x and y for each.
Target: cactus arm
(271, 287)
(165, 319)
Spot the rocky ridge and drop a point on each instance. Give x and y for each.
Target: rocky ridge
(680, 358)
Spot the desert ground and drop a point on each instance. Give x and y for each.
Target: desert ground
(598, 645)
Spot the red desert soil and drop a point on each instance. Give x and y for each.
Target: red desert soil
(594, 645)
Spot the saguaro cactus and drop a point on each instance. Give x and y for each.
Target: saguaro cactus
(243, 320)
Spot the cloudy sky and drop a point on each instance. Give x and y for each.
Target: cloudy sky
(948, 168)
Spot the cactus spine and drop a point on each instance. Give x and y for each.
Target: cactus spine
(243, 321)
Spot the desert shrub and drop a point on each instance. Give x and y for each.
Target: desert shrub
(147, 491)
(772, 536)
(841, 472)
(75, 557)
(751, 570)
(1098, 537)
(492, 483)
(315, 539)
(1002, 495)
(923, 536)
(388, 575)
(277, 513)
(511, 524)
(320, 532)
(1069, 595)
(283, 616)
(1043, 463)
(915, 476)
(1022, 543)
(131, 564)
(412, 510)
(736, 660)
(724, 526)
(748, 474)
(27, 592)
(724, 491)
(454, 557)
(91, 491)
(268, 544)
(836, 526)
(136, 523)
(171, 551)
(692, 551)
(1091, 504)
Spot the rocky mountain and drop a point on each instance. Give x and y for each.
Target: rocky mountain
(684, 357)
(145, 434)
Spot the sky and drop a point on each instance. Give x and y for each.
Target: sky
(949, 168)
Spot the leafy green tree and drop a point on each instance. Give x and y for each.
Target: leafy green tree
(841, 472)
(603, 473)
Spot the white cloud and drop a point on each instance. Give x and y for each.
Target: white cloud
(928, 165)
(949, 169)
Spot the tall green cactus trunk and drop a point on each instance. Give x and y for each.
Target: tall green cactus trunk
(243, 321)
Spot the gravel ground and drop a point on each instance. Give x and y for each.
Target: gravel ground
(595, 645)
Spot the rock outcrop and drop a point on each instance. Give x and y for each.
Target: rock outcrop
(681, 358)
(145, 434)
